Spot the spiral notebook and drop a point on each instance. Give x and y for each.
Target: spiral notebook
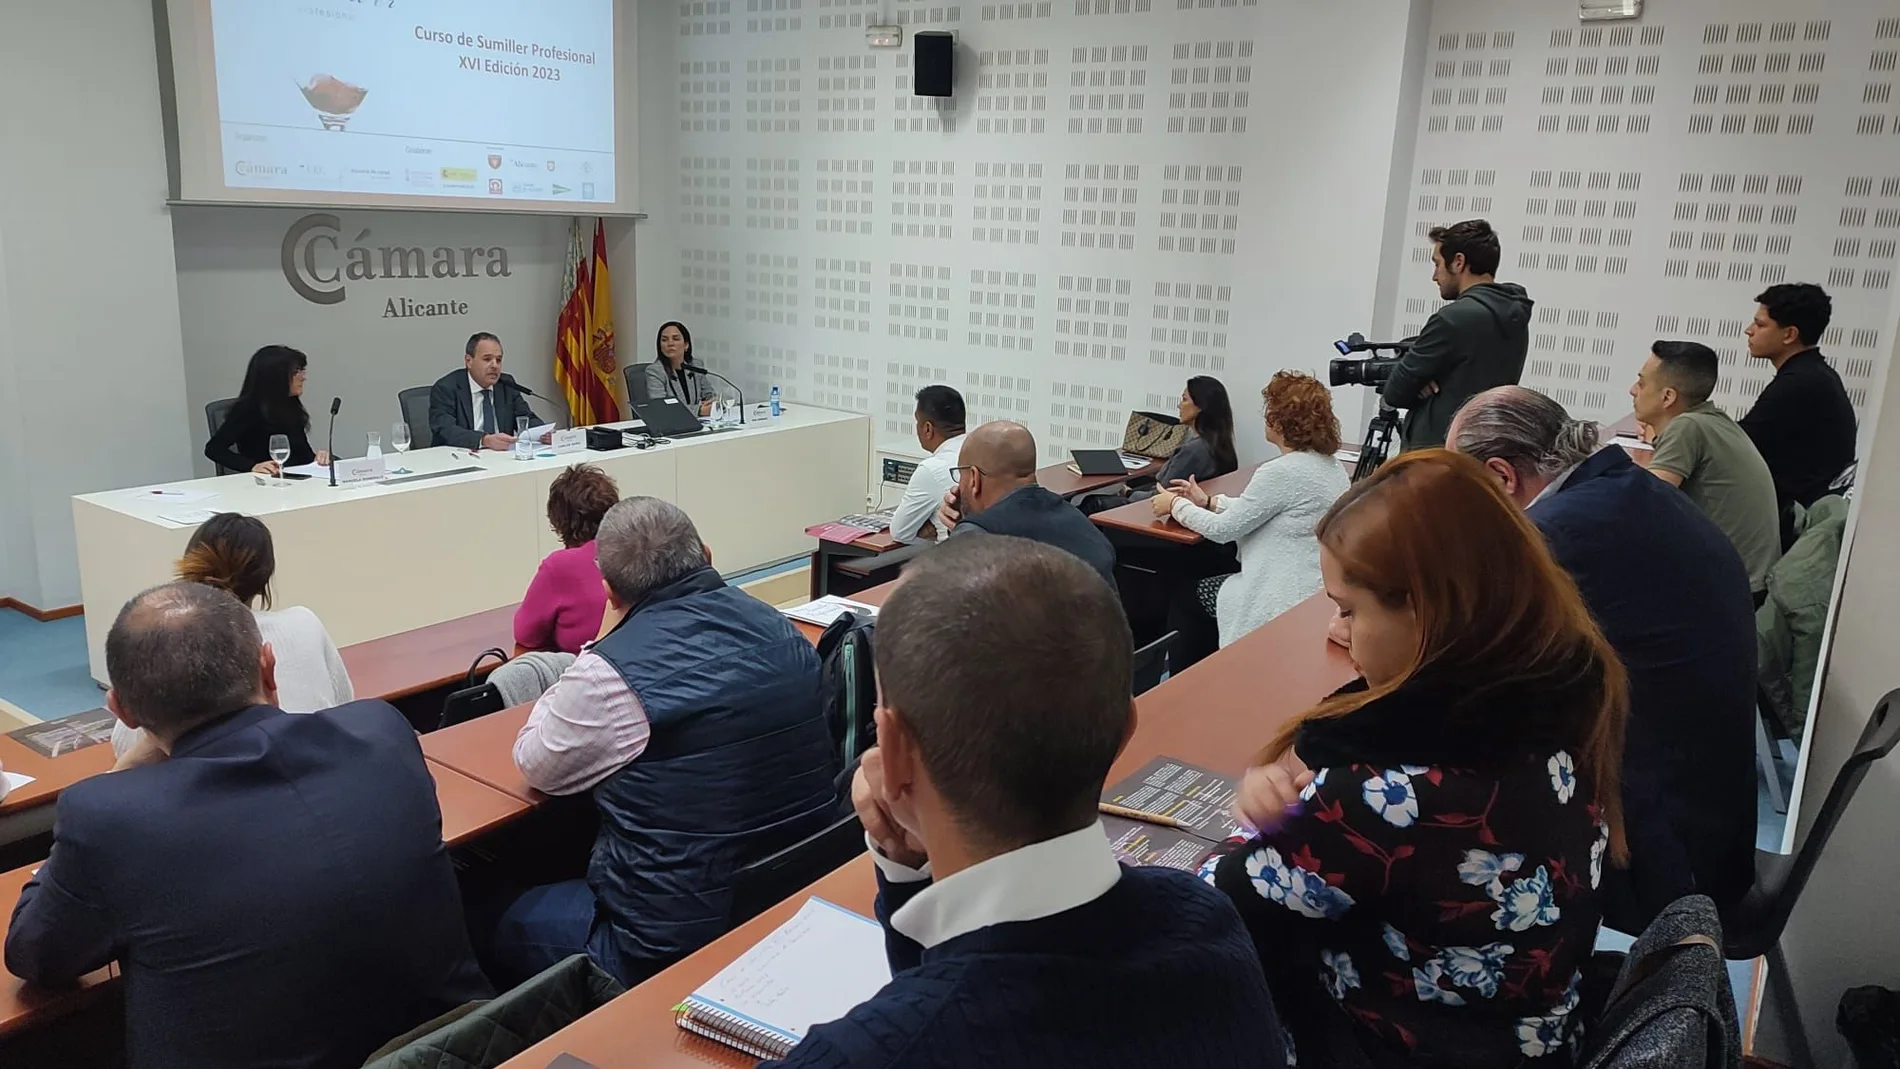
(814, 968)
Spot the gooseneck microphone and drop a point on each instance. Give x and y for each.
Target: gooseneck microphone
(709, 373)
(336, 405)
(523, 390)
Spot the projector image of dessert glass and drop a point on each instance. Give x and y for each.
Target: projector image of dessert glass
(334, 99)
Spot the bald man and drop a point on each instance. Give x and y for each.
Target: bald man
(997, 493)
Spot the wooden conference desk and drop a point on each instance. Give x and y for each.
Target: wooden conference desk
(1215, 714)
(425, 658)
(380, 559)
(1138, 517)
(51, 775)
(22, 1007)
(1056, 478)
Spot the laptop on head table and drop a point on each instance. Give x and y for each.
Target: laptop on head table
(668, 418)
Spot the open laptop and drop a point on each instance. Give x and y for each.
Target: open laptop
(1098, 461)
(668, 418)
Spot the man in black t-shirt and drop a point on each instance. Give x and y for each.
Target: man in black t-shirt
(1803, 423)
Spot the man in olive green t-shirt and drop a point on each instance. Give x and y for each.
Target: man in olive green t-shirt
(1702, 450)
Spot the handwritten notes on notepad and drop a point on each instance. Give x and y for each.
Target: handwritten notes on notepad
(811, 970)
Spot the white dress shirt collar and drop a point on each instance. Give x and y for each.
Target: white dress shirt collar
(475, 403)
(1555, 484)
(1028, 883)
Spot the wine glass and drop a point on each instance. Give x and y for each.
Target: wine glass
(280, 452)
(399, 441)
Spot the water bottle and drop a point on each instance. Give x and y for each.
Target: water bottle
(776, 410)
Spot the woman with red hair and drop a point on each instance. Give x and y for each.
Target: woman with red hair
(1423, 887)
(1270, 523)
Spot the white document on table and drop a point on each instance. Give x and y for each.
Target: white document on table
(15, 780)
(820, 613)
(315, 471)
(173, 496)
(535, 434)
(186, 517)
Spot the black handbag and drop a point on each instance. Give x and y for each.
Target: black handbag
(474, 699)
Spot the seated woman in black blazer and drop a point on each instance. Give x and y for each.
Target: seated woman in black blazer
(270, 402)
(1425, 885)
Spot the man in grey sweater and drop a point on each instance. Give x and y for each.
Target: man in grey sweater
(1471, 345)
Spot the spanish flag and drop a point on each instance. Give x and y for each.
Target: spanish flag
(600, 326)
(584, 364)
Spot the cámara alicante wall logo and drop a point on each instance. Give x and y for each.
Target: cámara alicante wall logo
(320, 266)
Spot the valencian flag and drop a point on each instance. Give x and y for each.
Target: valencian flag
(585, 369)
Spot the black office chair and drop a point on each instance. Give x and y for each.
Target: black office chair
(414, 403)
(637, 384)
(215, 414)
(1753, 928)
(1769, 735)
(770, 880)
(1150, 661)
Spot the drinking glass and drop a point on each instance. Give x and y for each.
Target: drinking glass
(373, 447)
(280, 452)
(524, 449)
(399, 438)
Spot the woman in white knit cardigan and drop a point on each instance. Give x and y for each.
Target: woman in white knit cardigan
(1271, 522)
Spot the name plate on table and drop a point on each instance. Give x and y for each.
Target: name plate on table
(361, 470)
(570, 441)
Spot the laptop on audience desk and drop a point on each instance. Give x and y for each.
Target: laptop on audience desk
(668, 418)
(1098, 462)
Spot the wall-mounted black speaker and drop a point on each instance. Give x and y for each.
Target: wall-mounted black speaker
(932, 70)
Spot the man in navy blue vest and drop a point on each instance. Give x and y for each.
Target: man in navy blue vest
(274, 887)
(1014, 936)
(697, 720)
(1671, 594)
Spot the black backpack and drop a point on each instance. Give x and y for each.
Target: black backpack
(850, 677)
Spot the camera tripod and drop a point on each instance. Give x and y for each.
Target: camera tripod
(1380, 431)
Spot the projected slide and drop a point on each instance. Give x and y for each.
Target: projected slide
(502, 99)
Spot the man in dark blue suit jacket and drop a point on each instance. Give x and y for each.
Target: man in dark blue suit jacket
(1672, 597)
(274, 887)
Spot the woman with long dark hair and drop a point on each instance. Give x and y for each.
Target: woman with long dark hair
(1207, 453)
(1424, 884)
(270, 402)
(669, 375)
(1270, 523)
(235, 554)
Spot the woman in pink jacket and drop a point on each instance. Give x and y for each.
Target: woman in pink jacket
(565, 599)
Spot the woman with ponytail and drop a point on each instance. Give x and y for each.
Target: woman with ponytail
(234, 554)
(1423, 885)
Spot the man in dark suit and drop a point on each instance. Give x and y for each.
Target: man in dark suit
(1671, 594)
(476, 408)
(274, 887)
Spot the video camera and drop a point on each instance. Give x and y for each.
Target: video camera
(1369, 371)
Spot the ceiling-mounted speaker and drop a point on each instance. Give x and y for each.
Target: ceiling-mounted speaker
(1608, 10)
(932, 67)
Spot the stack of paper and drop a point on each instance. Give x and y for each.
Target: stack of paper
(820, 613)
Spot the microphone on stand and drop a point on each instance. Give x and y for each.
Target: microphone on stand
(336, 405)
(709, 373)
(523, 390)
